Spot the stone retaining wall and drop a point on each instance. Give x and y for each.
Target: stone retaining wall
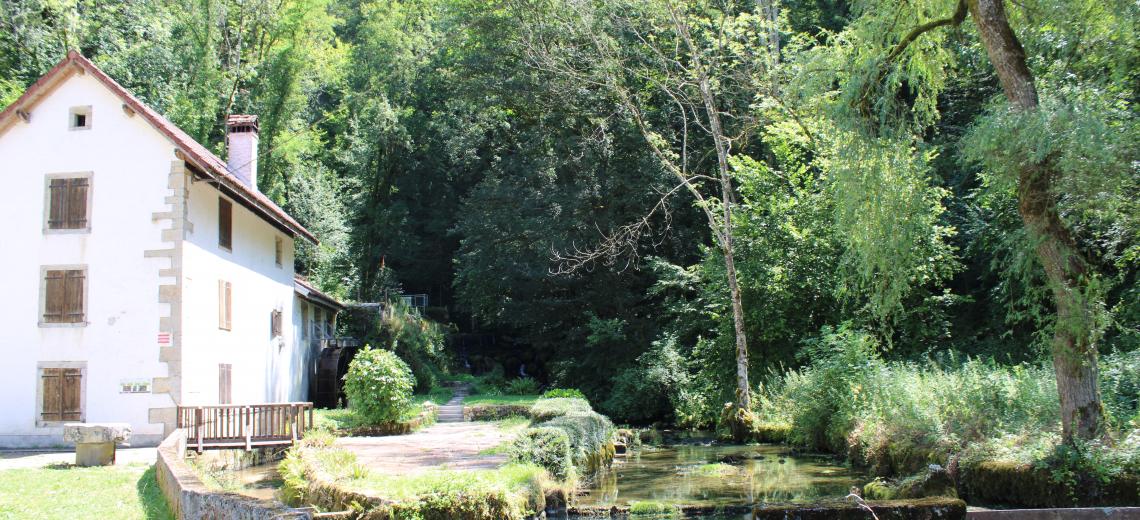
(922, 509)
(190, 499)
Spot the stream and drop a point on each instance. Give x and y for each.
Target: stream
(704, 474)
(692, 471)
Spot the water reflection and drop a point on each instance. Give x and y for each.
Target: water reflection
(260, 481)
(718, 475)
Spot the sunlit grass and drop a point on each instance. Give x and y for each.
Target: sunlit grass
(521, 400)
(68, 492)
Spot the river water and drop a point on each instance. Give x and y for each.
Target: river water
(706, 474)
(694, 472)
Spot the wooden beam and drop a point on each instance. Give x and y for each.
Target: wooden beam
(25, 115)
(128, 110)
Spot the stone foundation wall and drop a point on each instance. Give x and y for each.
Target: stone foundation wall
(190, 499)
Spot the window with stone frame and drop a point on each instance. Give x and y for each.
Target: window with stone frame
(64, 295)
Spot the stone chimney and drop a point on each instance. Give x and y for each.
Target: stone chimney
(241, 142)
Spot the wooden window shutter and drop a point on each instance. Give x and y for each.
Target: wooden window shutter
(225, 305)
(67, 203)
(225, 383)
(225, 223)
(63, 296)
(62, 394)
(52, 406)
(73, 296)
(72, 394)
(77, 203)
(57, 205)
(54, 296)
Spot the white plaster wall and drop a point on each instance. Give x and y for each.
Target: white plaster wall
(262, 367)
(130, 164)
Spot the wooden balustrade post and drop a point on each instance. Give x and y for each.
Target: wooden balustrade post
(198, 427)
(293, 422)
(247, 428)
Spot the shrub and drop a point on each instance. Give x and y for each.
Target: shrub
(379, 386)
(591, 437)
(1120, 386)
(657, 387)
(521, 386)
(555, 393)
(546, 447)
(491, 383)
(546, 409)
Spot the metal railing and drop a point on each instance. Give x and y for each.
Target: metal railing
(244, 426)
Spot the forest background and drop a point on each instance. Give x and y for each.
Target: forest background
(512, 160)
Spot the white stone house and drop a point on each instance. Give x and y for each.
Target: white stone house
(141, 271)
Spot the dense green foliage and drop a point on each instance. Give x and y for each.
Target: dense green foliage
(549, 408)
(567, 438)
(896, 417)
(555, 393)
(546, 447)
(378, 386)
(416, 339)
(882, 259)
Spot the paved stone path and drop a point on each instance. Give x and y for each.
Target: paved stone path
(442, 446)
(18, 459)
(452, 412)
(449, 444)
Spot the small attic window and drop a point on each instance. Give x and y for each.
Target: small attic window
(80, 118)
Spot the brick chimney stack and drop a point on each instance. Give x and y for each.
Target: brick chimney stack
(241, 142)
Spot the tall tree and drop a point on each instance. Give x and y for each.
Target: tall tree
(695, 63)
(893, 93)
(1067, 270)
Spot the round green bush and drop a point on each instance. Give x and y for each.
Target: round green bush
(379, 386)
(546, 447)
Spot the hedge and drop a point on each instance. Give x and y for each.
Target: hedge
(547, 409)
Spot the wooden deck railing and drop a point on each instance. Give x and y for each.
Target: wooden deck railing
(244, 426)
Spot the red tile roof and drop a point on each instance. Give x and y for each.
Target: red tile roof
(307, 290)
(192, 151)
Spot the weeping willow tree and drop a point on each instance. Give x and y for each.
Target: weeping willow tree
(879, 97)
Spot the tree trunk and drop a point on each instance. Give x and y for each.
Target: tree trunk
(743, 392)
(1074, 352)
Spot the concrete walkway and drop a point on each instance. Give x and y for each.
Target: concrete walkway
(20, 459)
(455, 445)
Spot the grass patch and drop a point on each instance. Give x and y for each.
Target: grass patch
(513, 424)
(487, 399)
(338, 419)
(71, 492)
(343, 419)
(657, 509)
(437, 395)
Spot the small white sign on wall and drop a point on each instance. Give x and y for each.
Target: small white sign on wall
(134, 386)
